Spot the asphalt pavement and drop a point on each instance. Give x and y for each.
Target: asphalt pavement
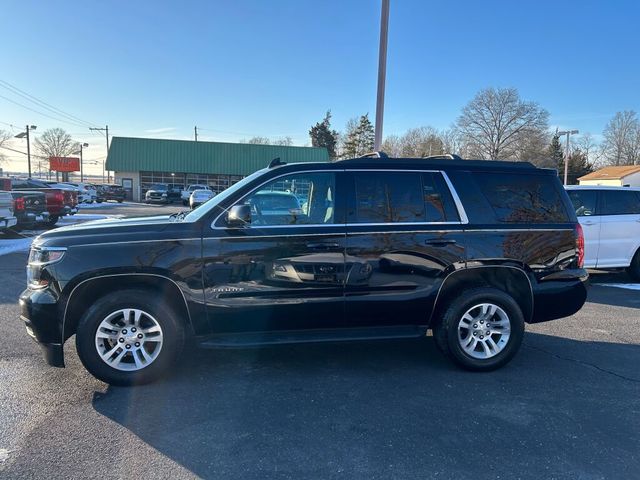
(566, 407)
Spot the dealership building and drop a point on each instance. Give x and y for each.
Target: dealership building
(138, 163)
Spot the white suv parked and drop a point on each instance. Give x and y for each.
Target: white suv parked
(610, 219)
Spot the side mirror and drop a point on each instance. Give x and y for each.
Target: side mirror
(239, 216)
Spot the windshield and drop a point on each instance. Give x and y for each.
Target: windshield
(221, 197)
(158, 186)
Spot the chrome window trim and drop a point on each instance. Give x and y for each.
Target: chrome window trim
(456, 200)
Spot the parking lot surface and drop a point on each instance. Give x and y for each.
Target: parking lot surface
(566, 407)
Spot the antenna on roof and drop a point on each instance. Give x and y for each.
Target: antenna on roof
(276, 162)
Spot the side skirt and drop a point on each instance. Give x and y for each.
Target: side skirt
(257, 339)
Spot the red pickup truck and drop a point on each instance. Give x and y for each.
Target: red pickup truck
(59, 202)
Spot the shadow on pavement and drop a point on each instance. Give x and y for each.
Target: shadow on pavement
(390, 409)
(600, 293)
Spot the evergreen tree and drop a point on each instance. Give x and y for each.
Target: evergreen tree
(578, 167)
(555, 153)
(322, 135)
(359, 138)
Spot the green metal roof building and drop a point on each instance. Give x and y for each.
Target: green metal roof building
(140, 162)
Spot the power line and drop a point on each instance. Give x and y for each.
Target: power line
(42, 103)
(42, 113)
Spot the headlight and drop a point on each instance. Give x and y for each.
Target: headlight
(38, 258)
(164, 194)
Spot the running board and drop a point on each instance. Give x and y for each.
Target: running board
(257, 339)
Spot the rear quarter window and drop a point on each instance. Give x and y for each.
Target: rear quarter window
(490, 197)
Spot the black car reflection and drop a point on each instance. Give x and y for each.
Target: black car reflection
(319, 268)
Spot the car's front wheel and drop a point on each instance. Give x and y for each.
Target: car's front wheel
(481, 330)
(634, 268)
(129, 337)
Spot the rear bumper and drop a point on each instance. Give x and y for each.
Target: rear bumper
(8, 222)
(559, 295)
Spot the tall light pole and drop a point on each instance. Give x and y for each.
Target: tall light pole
(568, 133)
(82, 145)
(106, 131)
(382, 73)
(26, 134)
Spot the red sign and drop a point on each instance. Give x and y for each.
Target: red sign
(64, 164)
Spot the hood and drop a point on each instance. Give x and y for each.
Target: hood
(111, 229)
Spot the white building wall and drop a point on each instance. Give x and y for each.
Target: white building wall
(135, 177)
(632, 180)
(611, 182)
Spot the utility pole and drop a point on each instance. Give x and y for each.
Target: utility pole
(106, 130)
(28, 152)
(23, 135)
(382, 73)
(568, 133)
(195, 129)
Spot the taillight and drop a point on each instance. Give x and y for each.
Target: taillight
(580, 245)
(18, 204)
(58, 197)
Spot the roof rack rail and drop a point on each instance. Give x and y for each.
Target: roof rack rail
(276, 162)
(376, 154)
(444, 156)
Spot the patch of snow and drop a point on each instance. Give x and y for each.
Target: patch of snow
(628, 286)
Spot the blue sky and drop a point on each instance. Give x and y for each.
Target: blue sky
(272, 68)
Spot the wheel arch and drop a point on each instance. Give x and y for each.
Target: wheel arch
(510, 279)
(87, 291)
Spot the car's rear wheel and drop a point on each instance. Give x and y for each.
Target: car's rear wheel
(53, 219)
(481, 330)
(129, 337)
(634, 268)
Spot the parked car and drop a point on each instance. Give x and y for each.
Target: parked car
(83, 195)
(186, 194)
(198, 197)
(610, 218)
(163, 193)
(86, 192)
(7, 218)
(110, 192)
(29, 208)
(60, 202)
(469, 249)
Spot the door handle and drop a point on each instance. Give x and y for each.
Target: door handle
(439, 242)
(322, 245)
(593, 223)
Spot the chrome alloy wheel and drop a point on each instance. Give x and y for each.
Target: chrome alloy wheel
(484, 330)
(129, 339)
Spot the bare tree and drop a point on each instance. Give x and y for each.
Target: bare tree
(392, 146)
(284, 141)
(451, 141)
(55, 142)
(4, 137)
(621, 145)
(589, 147)
(421, 142)
(257, 141)
(494, 123)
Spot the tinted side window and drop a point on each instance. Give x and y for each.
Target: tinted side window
(19, 184)
(584, 202)
(522, 198)
(439, 204)
(616, 202)
(389, 197)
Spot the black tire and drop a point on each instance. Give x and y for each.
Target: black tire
(173, 333)
(98, 201)
(120, 201)
(634, 268)
(53, 219)
(185, 203)
(445, 331)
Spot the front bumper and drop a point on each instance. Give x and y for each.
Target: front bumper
(39, 312)
(560, 294)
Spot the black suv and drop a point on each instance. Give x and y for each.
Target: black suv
(373, 248)
(113, 192)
